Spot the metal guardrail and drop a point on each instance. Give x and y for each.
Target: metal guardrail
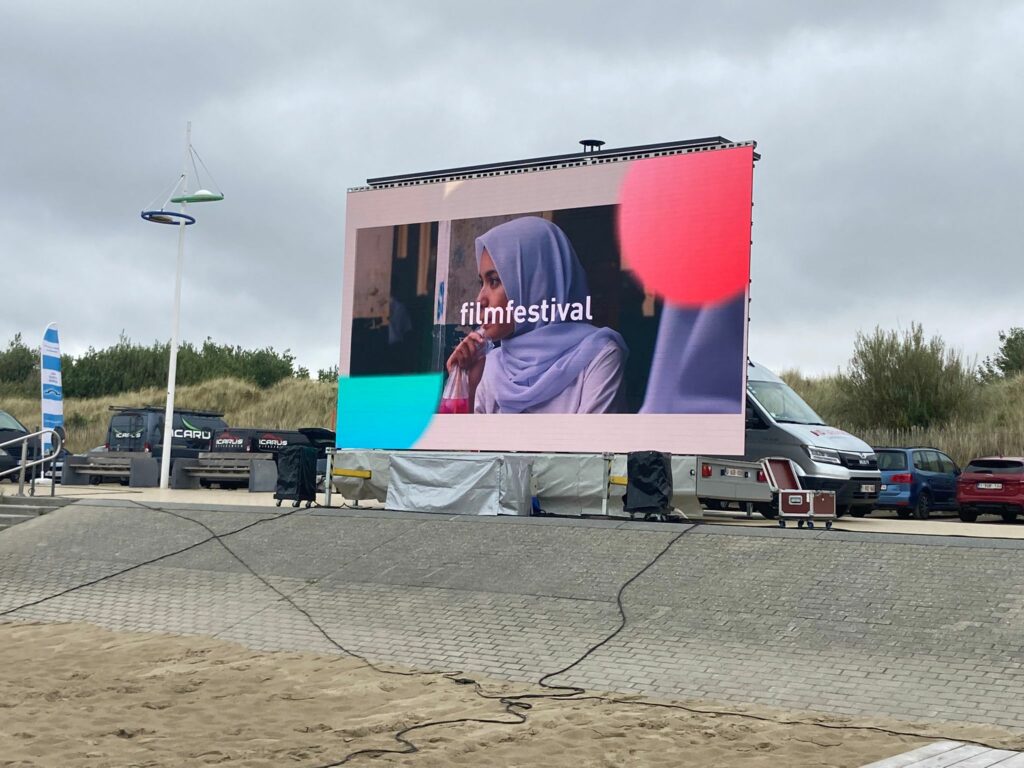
(56, 443)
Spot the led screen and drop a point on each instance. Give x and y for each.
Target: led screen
(600, 307)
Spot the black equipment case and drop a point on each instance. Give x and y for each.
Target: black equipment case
(296, 475)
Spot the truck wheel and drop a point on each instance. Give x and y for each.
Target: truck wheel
(923, 510)
(766, 510)
(968, 515)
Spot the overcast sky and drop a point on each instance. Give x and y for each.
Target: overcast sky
(888, 190)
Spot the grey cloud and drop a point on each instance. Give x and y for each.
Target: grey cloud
(888, 132)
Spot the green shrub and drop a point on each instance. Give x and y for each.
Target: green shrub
(901, 380)
(19, 369)
(128, 367)
(1009, 361)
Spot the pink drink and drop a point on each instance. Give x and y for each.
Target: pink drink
(454, 405)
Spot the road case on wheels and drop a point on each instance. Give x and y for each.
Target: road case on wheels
(795, 503)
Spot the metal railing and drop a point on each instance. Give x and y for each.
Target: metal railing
(56, 443)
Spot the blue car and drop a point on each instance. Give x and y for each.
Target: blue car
(916, 481)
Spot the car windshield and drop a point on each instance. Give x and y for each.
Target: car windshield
(9, 422)
(782, 403)
(890, 460)
(996, 465)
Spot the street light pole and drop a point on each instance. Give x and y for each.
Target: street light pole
(172, 367)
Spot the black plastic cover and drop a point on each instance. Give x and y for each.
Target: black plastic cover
(648, 482)
(296, 473)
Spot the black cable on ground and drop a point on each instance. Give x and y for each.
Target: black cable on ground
(144, 563)
(219, 539)
(515, 705)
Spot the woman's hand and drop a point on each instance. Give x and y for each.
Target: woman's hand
(467, 354)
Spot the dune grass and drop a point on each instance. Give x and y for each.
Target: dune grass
(992, 424)
(290, 403)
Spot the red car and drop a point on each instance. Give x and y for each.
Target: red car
(991, 485)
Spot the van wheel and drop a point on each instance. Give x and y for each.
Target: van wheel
(766, 510)
(1009, 517)
(968, 515)
(923, 510)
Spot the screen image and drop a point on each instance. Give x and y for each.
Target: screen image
(591, 308)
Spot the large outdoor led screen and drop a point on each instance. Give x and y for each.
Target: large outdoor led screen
(599, 307)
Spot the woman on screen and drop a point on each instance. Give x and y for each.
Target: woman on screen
(533, 304)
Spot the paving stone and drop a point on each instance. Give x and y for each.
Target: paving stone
(845, 623)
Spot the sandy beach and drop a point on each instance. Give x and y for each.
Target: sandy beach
(77, 695)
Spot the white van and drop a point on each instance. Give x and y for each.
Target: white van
(780, 423)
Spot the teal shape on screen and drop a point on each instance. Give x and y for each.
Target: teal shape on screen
(385, 411)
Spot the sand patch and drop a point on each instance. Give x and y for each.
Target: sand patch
(75, 695)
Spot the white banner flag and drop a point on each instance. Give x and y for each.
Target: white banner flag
(52, 389)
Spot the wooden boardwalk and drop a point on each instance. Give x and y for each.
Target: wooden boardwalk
(953, 754)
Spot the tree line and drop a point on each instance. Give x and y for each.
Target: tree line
(894, 380)
(127, 366)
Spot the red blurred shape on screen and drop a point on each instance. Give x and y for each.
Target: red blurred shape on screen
(684, 224)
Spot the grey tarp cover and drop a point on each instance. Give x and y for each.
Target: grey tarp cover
(357, 488)
(569, 484)
(565, 484)
(459, 484)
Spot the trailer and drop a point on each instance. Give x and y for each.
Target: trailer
(569, 485)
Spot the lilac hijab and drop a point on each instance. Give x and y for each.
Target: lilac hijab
(536, 261)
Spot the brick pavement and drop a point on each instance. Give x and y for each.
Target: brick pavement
(923, 628)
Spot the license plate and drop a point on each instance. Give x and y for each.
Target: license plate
(867, 489)
(990, 486)
(730, 472)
